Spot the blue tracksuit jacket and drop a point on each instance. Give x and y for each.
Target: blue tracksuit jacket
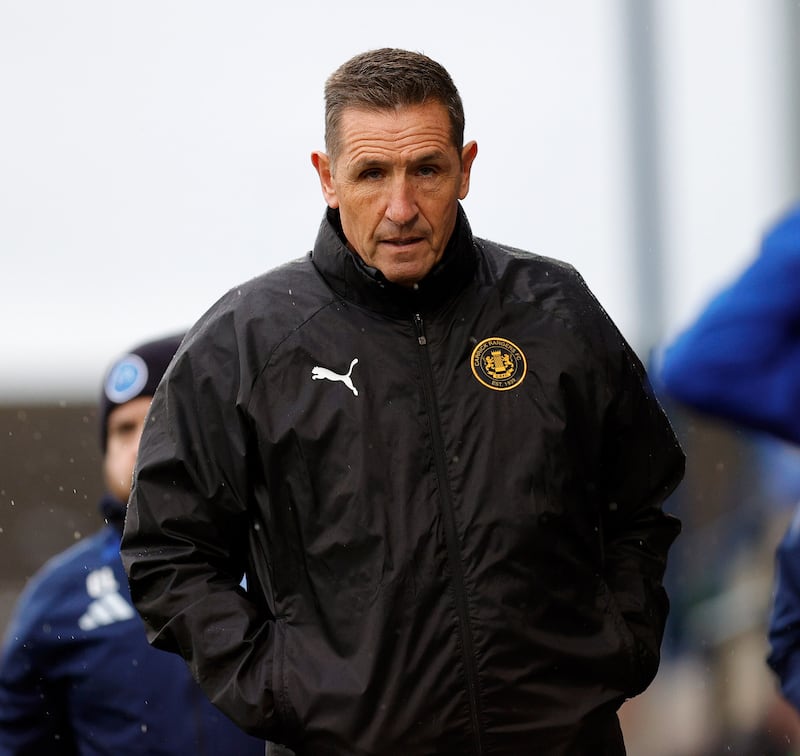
(740, 361)
(77, 675)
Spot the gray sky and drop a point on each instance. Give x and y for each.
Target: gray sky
(155, 154)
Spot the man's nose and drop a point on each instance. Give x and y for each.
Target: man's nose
(401, 206)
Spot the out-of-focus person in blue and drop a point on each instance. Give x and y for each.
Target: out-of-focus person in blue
(77, 675)
(740, 362)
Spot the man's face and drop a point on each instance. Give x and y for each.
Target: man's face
(125, 424)
(396, 181)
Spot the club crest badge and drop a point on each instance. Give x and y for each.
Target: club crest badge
(498, 364)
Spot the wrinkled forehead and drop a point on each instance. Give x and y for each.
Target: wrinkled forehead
(394, 129)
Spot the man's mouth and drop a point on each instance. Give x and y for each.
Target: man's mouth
(404, 242)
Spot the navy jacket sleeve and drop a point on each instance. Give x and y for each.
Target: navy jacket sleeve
(784, 656)
(740, 360)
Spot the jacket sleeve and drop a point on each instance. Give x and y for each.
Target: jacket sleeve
(186, 529)
(641, 463)
(33, 712)
(784, 621)
(740, 360)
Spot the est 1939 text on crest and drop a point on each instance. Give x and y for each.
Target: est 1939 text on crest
(498, 364)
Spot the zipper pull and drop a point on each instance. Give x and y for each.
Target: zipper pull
(421, 340)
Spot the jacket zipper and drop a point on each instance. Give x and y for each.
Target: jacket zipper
(451, 534)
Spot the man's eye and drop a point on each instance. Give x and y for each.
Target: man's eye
(122, 431)
(427, 170)
(371, 174)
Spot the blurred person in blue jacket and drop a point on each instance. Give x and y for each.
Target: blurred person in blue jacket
(740, 361)
(77, 675)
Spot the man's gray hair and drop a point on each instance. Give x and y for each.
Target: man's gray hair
(386, 79)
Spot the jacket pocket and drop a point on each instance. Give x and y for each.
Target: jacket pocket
(631, 675)
(280, 674)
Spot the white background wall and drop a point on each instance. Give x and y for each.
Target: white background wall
(154, 154)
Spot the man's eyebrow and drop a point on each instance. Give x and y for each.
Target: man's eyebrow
(430, 157)
(363, 164)
(368, 163)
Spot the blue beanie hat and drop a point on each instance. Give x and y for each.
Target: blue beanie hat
(137, 373)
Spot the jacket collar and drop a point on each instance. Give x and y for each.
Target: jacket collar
(113, 511)
(353, 280)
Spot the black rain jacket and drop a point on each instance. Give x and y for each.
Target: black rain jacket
(447, 502)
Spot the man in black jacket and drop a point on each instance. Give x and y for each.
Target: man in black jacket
(435, 458)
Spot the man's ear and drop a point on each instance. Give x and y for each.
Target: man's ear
(322, 163)
(468, 154)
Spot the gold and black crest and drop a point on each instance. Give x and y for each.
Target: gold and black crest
(498, 364)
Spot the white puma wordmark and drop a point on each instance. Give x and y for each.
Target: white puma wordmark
(319, 373)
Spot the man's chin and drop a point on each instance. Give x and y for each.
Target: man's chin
(406, 270)
(405, 274)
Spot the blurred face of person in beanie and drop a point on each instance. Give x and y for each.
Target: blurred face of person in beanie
(396, 179)
(127, 392)
(124, 429)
